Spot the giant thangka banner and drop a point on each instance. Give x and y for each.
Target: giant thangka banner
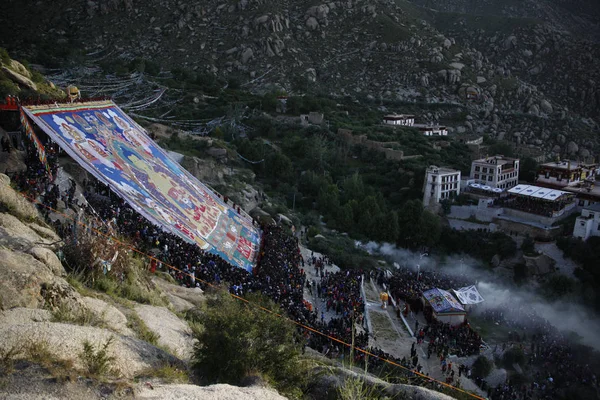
(118, 152)
(41, 151)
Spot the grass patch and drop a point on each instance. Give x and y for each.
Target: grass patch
(83, 317)
(142, 332)
(7, 358)
(167, 372)
(38, 351)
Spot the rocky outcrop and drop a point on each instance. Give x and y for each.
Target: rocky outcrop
(19, 79)
(65, 342)
(213, 392)
(110, 316)
(173, 332)
(14, 202)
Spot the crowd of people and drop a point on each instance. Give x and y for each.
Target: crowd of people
(279, 273)
(557, 362)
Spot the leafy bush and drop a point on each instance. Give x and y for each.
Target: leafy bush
(241, 339)
(482, 367)
(514, 355)
(8, 88)
(96, 360)
(4, 57)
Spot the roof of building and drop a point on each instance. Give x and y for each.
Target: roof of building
(567, 165)
(398, 116)
(442, 301)
(538, 192)
(496, 160)
(486, 188)
(442, 170)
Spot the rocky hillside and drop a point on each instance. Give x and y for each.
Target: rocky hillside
(577, 16)
(531, 81)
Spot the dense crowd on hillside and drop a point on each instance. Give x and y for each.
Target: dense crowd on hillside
(280, 274)
(547, 351)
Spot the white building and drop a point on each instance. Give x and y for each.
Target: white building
(433, 130)
(440, 184)
(497, 172)
(588, 224)
(399, 119)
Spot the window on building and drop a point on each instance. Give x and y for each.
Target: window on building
(477, 168)
(476, 176)
(490, 178)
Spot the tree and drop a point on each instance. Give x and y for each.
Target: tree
(239, 339)
(512, 356)
(329, 199)
(482, 367)
(279, 166)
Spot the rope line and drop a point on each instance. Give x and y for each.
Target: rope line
(306, 327)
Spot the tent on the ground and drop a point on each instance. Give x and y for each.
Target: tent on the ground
(468, 295)
(444, 306)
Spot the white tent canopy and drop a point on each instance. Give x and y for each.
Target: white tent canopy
(468, 295)
(537, 192)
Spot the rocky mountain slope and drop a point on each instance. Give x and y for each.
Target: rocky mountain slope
(577, 16)
(531, 81)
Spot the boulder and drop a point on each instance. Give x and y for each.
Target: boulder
(174, 333)
(20, 69)
(20, 315)
(49, 258)
(212, 392)
(181, 297)
(16, 203)
(217, 152)
(572, 148)
(312, 23)
(247, 55)
(114, 319)
(510, 42)
(546, 107)
(65, 341)
(20, 79)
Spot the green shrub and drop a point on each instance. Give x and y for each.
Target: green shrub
(4, 57)
(8, 88)
(512, 356)
(241, 339)
(96, 360)
(482, 367)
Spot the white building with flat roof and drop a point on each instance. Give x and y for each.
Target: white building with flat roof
(440, 184)
(399, 119)
(432, 130)
(588, 223)
(497, 172)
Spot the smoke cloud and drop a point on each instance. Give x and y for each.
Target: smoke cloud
(564, 315)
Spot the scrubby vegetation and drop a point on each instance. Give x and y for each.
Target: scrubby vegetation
(241, 339)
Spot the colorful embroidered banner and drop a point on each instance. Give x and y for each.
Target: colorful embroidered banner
(118, 152)
(41, 150)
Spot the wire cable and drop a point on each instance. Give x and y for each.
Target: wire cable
(258, 306)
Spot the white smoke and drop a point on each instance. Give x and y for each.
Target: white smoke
(566, 316)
